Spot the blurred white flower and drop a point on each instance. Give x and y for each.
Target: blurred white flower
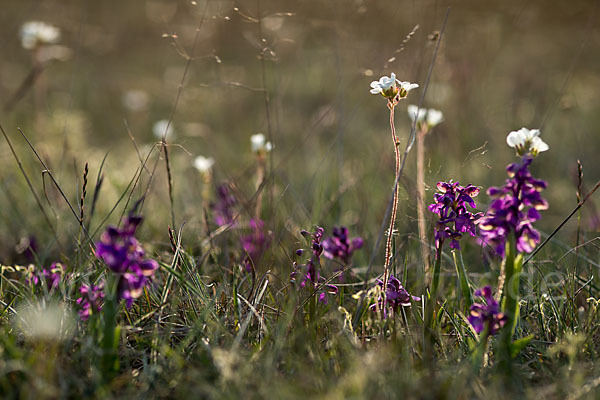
(526, 141)
(47, 321)
(203, 164)
(160, 127)
(259, 143)
(430, 116)
(135, 100)
(434, 117)
(416, 112)
(35, 33)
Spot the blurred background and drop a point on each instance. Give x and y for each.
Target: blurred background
(299, 72)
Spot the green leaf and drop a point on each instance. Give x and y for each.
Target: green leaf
(519, 344)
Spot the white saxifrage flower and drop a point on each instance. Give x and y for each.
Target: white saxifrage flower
(36, 33)
(259, 143)
(430, 116)
(434, 117)
(162, 126)
(526, 141)
(406, 87)
(390, 87)
(414, 112)
(203, 164)
(385, 85)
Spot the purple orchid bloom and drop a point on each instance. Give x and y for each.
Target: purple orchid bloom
(515, 207)
(487, 313)
(454, 216)
(124, 255)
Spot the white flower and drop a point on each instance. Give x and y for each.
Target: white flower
(160, 127)
(34, 33)
(416, 112)
(526, 141)
(135, 100)
(259, 143)
(434, 117)
(431, 116)
(389, 87)
(406, 87)
(203, 164)
(384, 84)
(538, 145)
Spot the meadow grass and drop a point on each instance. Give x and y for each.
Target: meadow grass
(132, 268)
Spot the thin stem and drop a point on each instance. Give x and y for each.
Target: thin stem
(388, 246)
(429, 337)
(421, 198)
(513, 263)
(461, 271)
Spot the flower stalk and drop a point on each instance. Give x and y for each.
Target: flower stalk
(388, 245)
(461, 271)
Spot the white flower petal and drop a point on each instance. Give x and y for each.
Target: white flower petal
(203, 164)
(162, 126)
(514, 139)
(538, 145)
(434, 117)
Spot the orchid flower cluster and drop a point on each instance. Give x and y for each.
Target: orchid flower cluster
(90, 300)
(454, 216)
(254, 244)
(396, 296)
(515, 207)
(486, 314)
(51, 275)
(222, 208)
(309, 274)
(124, 256)
(340, 246)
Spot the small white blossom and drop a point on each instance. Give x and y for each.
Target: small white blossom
(259, 143)
(384, 84)
(160, 127)
(416, 112)
(203, 164)
(135, 100)
(434, 117)
(430, 116)
(406, 87)
(35, 33)
(390, 87)
(538, 145)
(526, 141)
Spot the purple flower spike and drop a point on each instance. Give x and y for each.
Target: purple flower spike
(124, 255)
(486, 313)
(454, 217)
(255, 244)
(515, 207)
(395, 296)
(340, 246)
(309, 274)
(90, 300)
(222, 208)
(52, 275)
